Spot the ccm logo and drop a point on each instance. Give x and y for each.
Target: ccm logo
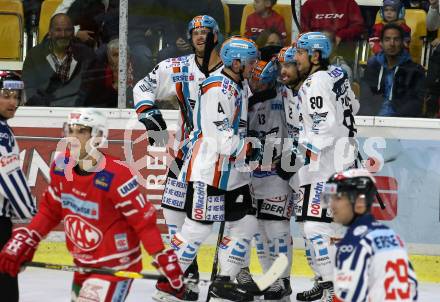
(329, 16)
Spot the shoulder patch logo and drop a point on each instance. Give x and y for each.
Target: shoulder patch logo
(103, 180)
(128, 187)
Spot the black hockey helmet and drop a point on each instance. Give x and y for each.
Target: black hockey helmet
(353, 182)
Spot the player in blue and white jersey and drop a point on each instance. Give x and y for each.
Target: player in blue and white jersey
(372, 262)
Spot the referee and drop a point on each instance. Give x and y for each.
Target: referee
(16, 201)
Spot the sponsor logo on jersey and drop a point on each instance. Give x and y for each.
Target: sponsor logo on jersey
(81, 207)
(128, 187)
(315, 203)
(317, 118)
(121, 242)
(182, 77)
(386, 242)
(345, 248)
(176, 242)
(103, 180)
(83, 234)
(277, 107)
(200, 200)
(8, 159)
(224, 244)
(239, 250)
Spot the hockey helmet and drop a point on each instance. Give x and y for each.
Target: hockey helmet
(265, 72)
(313, 41)
(10, 81)
(287, 55)
(90, 117)
(202, 21)
(353, 182)
(238, 48)
(397, 5)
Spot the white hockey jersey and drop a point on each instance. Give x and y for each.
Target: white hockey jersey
(217, 142)
(327, 105)
(267, 122)
(372, 265)
(175, 77)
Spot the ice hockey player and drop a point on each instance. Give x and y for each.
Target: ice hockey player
(16, 201)
(218, 187)
(104, 215)
(326, 110)
(372, 263)
(181, 78)
(270, 192)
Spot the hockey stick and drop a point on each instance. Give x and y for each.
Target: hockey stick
(262, 283)
(215, 262)
(295, 18)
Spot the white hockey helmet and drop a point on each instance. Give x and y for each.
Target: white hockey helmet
(89, 117)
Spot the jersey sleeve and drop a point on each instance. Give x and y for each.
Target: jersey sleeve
(13, 185)
(138, 212)
(218, 116)
(351, 274)
(50, 206)
(320, 107)
(158, 84)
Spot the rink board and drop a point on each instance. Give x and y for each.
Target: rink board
(412, 158)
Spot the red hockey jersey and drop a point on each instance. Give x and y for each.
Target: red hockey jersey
(104, 215)
(343, 17)
(255, 24)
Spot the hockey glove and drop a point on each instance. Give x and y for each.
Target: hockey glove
(19, 249)
(167, 263)
(156, 127)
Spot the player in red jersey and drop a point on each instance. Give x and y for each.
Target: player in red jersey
(104, 214)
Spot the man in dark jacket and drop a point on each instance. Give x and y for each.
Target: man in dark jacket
(393, 85)
(55, 70)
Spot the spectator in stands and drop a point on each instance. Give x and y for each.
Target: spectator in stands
(103, 88)
(393, 85)
(263, 18)
(391, 11)
(96, 21)
(336, 59)
(433, 76)
(416, 4)
(269, 37)
(343, 17)
(433, 17)
(54, 71)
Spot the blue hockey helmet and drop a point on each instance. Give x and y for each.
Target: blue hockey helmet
(397, 5)
(287, 54)
(265, 72)
(238, 48)
(202, 21)
(313, 41)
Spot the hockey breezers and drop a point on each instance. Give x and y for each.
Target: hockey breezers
(262, 283)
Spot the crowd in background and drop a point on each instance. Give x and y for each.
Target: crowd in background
(77, 62)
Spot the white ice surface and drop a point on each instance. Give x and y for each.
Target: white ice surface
(39, 285)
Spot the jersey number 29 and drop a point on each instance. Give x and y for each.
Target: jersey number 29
(401, 288)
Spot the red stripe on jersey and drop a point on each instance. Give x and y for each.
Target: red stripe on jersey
(210, 85)
(143, 108)
(194, 155)
(217, 172)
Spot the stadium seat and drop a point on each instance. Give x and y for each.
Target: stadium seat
(11, 30)
(227, 19)
(48, 7)
(416, 20)
(283, 9)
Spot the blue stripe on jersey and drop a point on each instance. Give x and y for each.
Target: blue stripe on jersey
(361, 282)
(11, 198)
(29, 194)
(19, 192)
(212, 79)
(226, 171)
(144, 102)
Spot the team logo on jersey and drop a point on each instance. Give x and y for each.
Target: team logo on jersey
(128, 187)
(176, 242)
(222, 125)
(317, 118)
(226, 241)
(81, 207)
(121, 242)
(360, 230)
(103, 180)
(83, 235)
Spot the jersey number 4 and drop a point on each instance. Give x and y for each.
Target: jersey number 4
(397, 285)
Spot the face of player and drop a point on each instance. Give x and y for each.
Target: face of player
(80, 137)
(392, 43)
(61, 31)
(257, 86)
(342, 208)
(198, 39)
(248, 68)
(289, 74)
(389, 14)
(9, 100)
(302, 61)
